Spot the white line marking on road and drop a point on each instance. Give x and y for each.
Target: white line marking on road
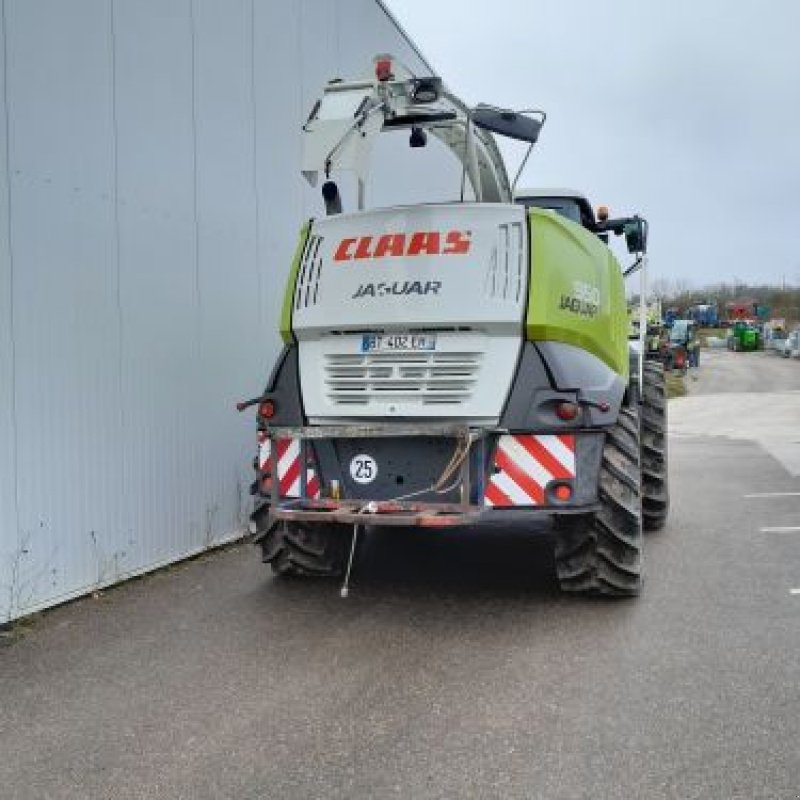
(794, 591)
(782, 529)
(772, 494)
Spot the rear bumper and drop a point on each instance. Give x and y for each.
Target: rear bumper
(421, 515)
(431, 475)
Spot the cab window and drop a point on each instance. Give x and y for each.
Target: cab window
(565, 207)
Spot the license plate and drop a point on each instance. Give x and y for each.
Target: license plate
(397, 342)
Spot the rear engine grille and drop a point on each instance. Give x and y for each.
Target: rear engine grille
(426, 378)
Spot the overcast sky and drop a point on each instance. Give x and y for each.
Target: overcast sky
(687, 112)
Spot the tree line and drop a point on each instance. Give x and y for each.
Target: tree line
(782, 301)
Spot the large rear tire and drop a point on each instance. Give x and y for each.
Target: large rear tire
(655, 475)
(601, 553)
(297, 549)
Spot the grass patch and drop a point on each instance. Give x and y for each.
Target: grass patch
(721, 332)
(12, 632)
(676, 385)
(703, 335)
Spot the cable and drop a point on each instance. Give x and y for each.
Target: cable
(461, 451)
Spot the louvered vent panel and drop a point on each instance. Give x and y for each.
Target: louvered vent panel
(427, 378)
(505, 277)
(307, 290)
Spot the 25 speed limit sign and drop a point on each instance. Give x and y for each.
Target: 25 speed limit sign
(363, 469)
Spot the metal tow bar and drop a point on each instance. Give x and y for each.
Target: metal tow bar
(345, 590)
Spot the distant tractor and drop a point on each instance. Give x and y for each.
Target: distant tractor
(704, 314)
(670, 315)
(743, 336)
(655, 336)
(683, 348)
(775, 335)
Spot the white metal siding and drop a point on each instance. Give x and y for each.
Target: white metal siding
(150, 200)
(8, 513)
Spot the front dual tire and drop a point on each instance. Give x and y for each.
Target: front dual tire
(601, 553)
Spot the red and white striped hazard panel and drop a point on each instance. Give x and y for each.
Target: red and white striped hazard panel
(289, 455)
(523, 466)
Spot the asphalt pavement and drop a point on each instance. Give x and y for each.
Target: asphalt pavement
(455, 668)
(724, 372)
(748, 396)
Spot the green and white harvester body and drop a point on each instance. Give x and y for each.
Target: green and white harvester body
(447, 363)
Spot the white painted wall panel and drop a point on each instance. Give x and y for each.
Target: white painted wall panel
(228, 258)
(149, 207)
(65, 313)
(158, 275)
(9, 545)
(278, 109)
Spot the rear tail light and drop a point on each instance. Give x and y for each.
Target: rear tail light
(562, 492)
(266, 409)
(567, 411)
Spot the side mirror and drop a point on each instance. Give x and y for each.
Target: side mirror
(514, 124)
(635, 230)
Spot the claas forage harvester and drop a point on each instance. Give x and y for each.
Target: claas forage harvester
(447, 363)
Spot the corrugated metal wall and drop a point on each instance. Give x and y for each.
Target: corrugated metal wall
(149, 201)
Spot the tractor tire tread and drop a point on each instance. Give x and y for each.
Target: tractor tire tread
(601, 553)
(655, 475)
(295, 549)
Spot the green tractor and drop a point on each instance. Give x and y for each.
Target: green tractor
(743, 336)
(449, 363)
